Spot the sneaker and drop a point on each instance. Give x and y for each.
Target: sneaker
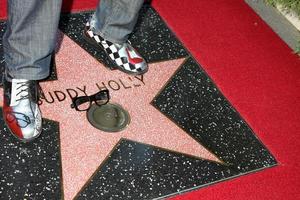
(20, 109)
(124, 56)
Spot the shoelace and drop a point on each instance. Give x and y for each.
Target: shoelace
(23, 93)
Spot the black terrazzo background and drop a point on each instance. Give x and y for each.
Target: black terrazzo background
(193, 102)
(138, 171)
(151, 37)
(31, 170)
(134, 170)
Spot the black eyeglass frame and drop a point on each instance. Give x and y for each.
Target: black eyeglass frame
(77, 101)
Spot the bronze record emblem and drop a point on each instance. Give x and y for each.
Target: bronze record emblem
(110, 117)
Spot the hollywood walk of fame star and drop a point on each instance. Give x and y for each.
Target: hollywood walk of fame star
(83, 147)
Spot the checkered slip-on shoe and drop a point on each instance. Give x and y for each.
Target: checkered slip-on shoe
(124, 56)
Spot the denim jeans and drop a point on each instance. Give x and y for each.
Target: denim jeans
(32, 25)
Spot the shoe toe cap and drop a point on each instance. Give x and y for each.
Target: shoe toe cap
(142, 67)
(25, 130)
(34, 130)
(31, 133)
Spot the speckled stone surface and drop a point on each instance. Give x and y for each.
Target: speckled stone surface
(151, 37)
(80, 75)
(137, 171)
(191, 100)
(32, 170)
(134, 170)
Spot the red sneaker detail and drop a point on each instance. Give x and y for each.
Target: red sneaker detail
(11, 121)
(133, 60)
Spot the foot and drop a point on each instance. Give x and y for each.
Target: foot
(20, 110)
(124, 56)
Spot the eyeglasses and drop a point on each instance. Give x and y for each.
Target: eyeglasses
(83, 103)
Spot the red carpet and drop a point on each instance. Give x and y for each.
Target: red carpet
(259, 75)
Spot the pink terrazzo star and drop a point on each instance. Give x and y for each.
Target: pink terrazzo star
(84, 147)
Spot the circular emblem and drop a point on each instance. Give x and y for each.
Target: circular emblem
(109, 117)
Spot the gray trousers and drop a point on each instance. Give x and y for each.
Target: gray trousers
(32, 25)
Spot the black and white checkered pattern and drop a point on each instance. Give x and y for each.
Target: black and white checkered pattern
(114, 51)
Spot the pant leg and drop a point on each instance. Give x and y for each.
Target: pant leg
(30, 37)
(114, 20)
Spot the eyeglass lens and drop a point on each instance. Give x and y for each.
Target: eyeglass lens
(102, 98)
(83, 103)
